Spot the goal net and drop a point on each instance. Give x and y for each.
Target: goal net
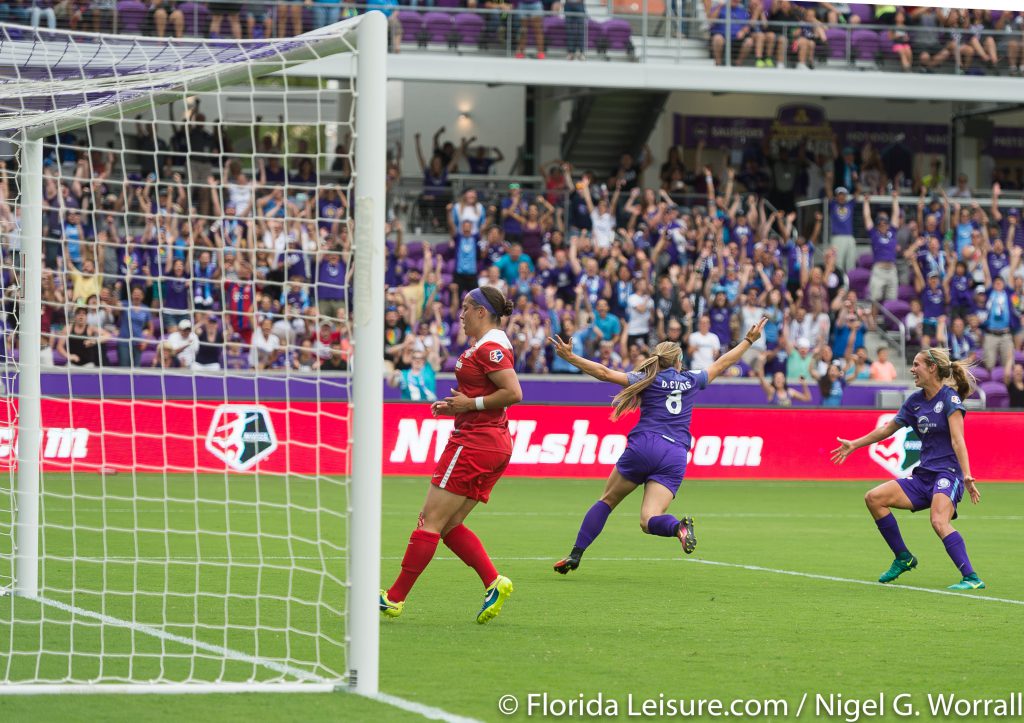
(190, 323)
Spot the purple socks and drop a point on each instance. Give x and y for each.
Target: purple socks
(593, 523)
(957, 551)
(662, 526)
(891, 533)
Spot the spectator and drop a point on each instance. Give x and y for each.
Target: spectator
(1000, 322)
(575, 23)
(266, 346)
(859, 366)
(210, 337)
(531, 15)
(832, 385)
(436, 186)
(735, 22)
(882, 370)
(778, 392)
(480, 161)
(179, 348)
(884, 281)
(703, 346)
(960, 343)
(418, 382)
(80, 344)
(799, 360)
(1015, 386)
(135, 322)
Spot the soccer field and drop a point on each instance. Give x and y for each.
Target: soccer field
(771, 606)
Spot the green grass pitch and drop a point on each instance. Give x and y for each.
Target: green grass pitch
(637, 617)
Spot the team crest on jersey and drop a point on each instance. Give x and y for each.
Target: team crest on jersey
(955, 399)
(943, 484)
(497, 355)
(938, 407)
(900, 453)
(241, 435)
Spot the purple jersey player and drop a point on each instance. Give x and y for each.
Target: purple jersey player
(655, 454)
(936, 413)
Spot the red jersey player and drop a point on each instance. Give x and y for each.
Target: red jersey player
(474, 459)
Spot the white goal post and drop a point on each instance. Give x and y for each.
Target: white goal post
(271, 524)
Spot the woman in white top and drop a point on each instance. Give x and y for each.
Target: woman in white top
(602, 216)
(468, 208)
(239, 188)
(703, 345)
(639, 306)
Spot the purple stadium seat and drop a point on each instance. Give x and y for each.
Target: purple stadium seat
(412, 26)
(906, 292)
(469, 28)
(617, 32)
(439, 27)
(449, 364)
(865, 44)
(414, 250)
(197, 18)
(554, 31)
(131, 17)
(865, 12)
(996, 394)
(999, 375)
(897, 307)
(859, 280)
(147, 357)
(866, 261)
(981, 374)
(594, 34)
(838, 43)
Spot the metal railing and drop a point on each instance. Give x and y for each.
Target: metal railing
(676, 31)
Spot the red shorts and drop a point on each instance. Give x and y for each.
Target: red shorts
(468, 472)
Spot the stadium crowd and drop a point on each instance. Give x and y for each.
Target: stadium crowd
(765, 33)
(195, 265)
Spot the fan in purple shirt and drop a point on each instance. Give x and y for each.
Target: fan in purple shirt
(936, 414)
(1007, 223)
(657, 446)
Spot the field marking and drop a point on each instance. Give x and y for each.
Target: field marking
(428, 712)
(182, 640)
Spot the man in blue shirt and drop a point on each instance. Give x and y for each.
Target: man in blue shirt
(999, 325)
(735, 21)
(509, 263)
(466, 248)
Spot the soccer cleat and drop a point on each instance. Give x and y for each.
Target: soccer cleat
(686, 535)
(970, 582)
(388, 608)
(494, 598)
(899, 566)
(769, 62)
(759, 63)
(568, 563)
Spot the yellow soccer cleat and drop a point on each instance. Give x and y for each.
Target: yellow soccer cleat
(388, 608)
(494, 598)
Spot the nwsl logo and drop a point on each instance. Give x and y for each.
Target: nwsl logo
(241, 435)
(898, 454)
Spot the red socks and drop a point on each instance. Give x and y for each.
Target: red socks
(418, 554)
(467, 546)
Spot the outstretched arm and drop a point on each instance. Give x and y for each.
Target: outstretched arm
(722, 363)
(590, 368)
(846, 447)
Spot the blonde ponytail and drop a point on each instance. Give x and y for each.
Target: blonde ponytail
(956, 374)
(666, 355)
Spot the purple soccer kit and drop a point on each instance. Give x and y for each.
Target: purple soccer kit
(938, 472)
(656, 449)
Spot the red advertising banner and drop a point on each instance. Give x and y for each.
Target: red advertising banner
(311, 438)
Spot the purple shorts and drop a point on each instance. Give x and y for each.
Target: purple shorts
(924, 484)
(651, 457)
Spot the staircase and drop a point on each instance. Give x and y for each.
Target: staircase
(604, 125)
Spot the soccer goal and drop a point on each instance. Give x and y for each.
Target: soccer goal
(192, 273)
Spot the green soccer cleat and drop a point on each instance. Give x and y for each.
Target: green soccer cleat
(494, 598)
(388, 608)
(970, 582)
(899, 566)
(686, 535)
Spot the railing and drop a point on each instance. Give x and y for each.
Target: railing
(656, 31)
(901, 329)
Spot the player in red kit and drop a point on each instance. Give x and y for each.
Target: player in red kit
(474, 459)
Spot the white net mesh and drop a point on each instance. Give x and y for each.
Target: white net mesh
(195, 346)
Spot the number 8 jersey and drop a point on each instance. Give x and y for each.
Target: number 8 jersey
(666, 406)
